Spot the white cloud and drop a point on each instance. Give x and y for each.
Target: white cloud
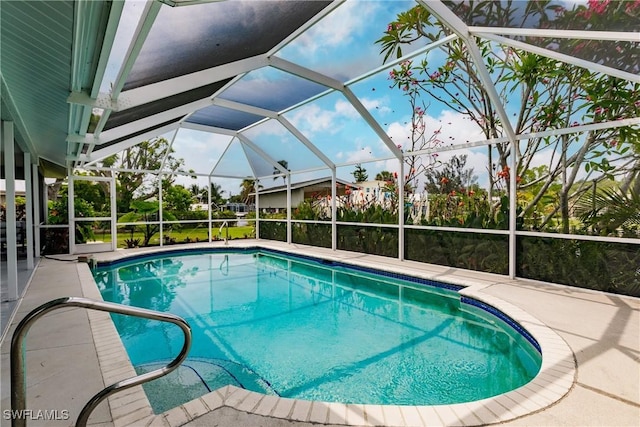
(336, 29)
(452, 129)
(376, 104)
(311, 119)
(270, 127)
(200, 150)
(399, 133)
(362, 154)
(345, 109)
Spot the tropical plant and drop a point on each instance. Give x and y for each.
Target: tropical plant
(421, 137)
(177, 198)
(247, 191)
(449, 176)
(276, 171)
(360, 174)
(216, 194)
(146, 156)
(384, 176)
(480, 252)
(58, 214)
(610, 211)
(96, 194)
(147, 212)
(544, 93)
(370, 240)
(308, 211)
(604, 266)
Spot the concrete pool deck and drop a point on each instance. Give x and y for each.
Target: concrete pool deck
(72, 353)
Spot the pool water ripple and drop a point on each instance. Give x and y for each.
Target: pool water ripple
(314, 331)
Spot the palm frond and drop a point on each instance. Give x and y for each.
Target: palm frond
(609, 209)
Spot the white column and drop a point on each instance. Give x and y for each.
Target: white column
(29, 195)
(160, 210)
(209, 210)
(256, 184)
(10, 204)
(401, 211)
(334, 211)
(114, 213)
(72, 212)
(289, 208)
(512, 211)
(36, 192)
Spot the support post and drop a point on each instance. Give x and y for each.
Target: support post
(513, 210)
(36, 192)
(288, 208)
(401, 211)
(257, 186)
(210, 237)
(28, 220)
(114, 213)
(71, 209)
(160, 209)
(334, 211)
(10, 212)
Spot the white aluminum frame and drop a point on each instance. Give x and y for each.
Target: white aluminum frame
(120, 101)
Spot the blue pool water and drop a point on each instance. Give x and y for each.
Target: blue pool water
(299, 328)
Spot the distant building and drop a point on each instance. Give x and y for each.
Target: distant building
(275, 198)
(199, 207)
(240, 209)
(369, 190)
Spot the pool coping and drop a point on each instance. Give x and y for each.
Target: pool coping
(556, 377)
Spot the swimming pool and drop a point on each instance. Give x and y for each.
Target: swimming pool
(314, 330)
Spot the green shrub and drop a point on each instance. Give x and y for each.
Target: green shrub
(480, 252)
(273, 230)
(368, 240)
(603, 266)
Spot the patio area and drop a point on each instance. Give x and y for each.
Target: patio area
(64, 371)
(490, 144)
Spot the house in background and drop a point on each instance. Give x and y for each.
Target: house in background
(274, 199)
(369, 190)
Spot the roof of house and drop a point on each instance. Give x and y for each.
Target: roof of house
(307, 185)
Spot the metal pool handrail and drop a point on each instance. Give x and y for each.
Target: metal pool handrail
(226, 239)
(18, 372)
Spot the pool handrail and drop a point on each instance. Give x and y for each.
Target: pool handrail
(18, 371)
(225, 225)
(225, 263)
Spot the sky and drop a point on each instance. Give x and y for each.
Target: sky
(342, 46)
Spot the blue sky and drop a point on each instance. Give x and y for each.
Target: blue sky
(342, 46)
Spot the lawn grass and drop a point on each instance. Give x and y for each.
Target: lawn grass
(182, 235)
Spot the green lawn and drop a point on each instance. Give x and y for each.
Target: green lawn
(182, 235)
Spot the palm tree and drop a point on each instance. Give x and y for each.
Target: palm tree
(216, 194)
(384, 176)
(246, 188)
(196, 191)
(610, 209)
(284, 164)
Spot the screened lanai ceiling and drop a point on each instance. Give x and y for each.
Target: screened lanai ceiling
(248, 88)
